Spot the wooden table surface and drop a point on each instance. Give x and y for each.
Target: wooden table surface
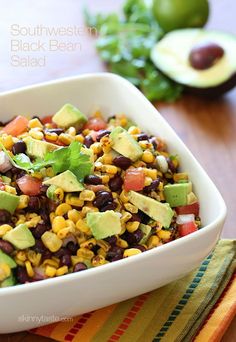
(207, 127)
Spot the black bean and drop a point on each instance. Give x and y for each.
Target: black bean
(61, 252)
(135, 217)
(102, 198)
(154, 142)
(93, 179)
(115, 183)
(5, 216)
(21, 275)
(144, 218)
(43, 189)
(19, 147)
(58, 131)
(142, 136)
(88, 141)
(39, 230)
(34, 204)
(80, 266)
(142, 248)
(72, 247)
(39, 247)
(102, 133)
(111, 239)
(133, 238)
(65, 260)
(109, 206)
(122, 162)
(152, 186)
(172, 168)
(115, 253)
(6, 247)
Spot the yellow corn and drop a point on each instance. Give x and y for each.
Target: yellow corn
(105, 179)
(123, 121)
(83, 227)
(10, 189)
(23, 202)
(131, 251)
(86, 209)
(164, 235)
(52, 215)
(153, 241)
(145, 144)
(20, 219)
(70, 224)
(75, 259)
(29, 269)
(180, 176)
(33, 222)
(33, 123)
(111, 169)
(122, 243)
(152, 173)
(86, 131)
(88, 243)
(4, 229)
(74, 200)
(81, 237)
(51, 137)
(107, 158)
(36, 134)
(5, 271)
(147, 156)
(63, 232)
(124, 196)
(101, 252)
(51, 241)
(62, 209)
(87, 195)
(66, 139)
(131, 208)
(61, 271)
(34, 257)
(37, 175)
(79, 138)
(71, 131)
(59, 193)
(51, 262)
(103, 244)
(74, 215)
(134, 130)
(58, 223)
(147, 181)
(50, 172)
(19, 262)
(50, 271)
(21, 255)
(125, 216)
(98, 260)
(106, 144)
(85, 253)
(7, 141)
(96, 147)
(132, 226)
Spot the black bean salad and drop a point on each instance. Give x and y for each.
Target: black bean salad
(77, 193)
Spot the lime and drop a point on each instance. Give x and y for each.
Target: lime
(175, 14)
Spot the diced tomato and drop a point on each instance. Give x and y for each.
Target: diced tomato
(47, 119)
(188, 209)
(16, 126)
(29, 185)
(95, 124)
(187, 228)
(134, 180)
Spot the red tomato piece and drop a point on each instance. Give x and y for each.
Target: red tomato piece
(95, 124)
(16, 126)
(29, 185)
(47, 119)
(134, 180)
(188, 209)
(187, 228)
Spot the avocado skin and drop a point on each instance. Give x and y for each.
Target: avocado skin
(213, 92)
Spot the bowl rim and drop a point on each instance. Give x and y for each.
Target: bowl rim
(22, 288)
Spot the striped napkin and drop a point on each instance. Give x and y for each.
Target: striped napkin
(198, 307)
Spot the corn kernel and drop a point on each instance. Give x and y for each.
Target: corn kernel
(103, 244)
(33, 123)
(98, 260)
(86, 209)
(74, 215)
(70, 224)
(111, 169)
(51, 241)
(89, 243)
(74, 200)
(29, 269)
(101, 252)
(164, 234)
(122, 243)
(86, 131)
(83, 227)
(75, 259)
(62, 209)
(152, 173)
(147, 181)
(34, 257)
(4, 229)
(66, 139)
(61, 271)
(105, 179)
(36, 134)
(145, 144)
(85, 253)
(21, 255)
(37, 175)
(59, 193)
(147, 156)
(33, 221)
(51, 262)
(20, 219)
(132, 226)
(123, 121)
(79, 138)
(107, 158)
(10, 189)
(71, 131)
(5, 271)
(58, 223)
(125, 217)
(180, 176)
(63, 233)
(50, 172)
(131, 251)
(87, 195)
(131, 208)
(51, 137)
(50, 271)
(7, 141)
(153, 241)
(124, 196)
(134, 130)
(52, 215)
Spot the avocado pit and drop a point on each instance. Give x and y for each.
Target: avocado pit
(205, 55)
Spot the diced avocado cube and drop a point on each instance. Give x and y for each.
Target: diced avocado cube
(10, 281)
(6, 259)
(68, 116)
(20, 237)
(6, 180)
(38, 148)
(104, 224)
(177, 194)
(8, 201)
(124, 143)
(146, 232)
(158, 211)
(191, 198)
(67, 181)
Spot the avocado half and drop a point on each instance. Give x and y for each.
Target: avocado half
(171, 55)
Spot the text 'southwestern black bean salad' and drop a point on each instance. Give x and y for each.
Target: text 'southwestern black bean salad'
(77, 193)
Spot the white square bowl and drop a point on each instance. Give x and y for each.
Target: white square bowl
(78, 293)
